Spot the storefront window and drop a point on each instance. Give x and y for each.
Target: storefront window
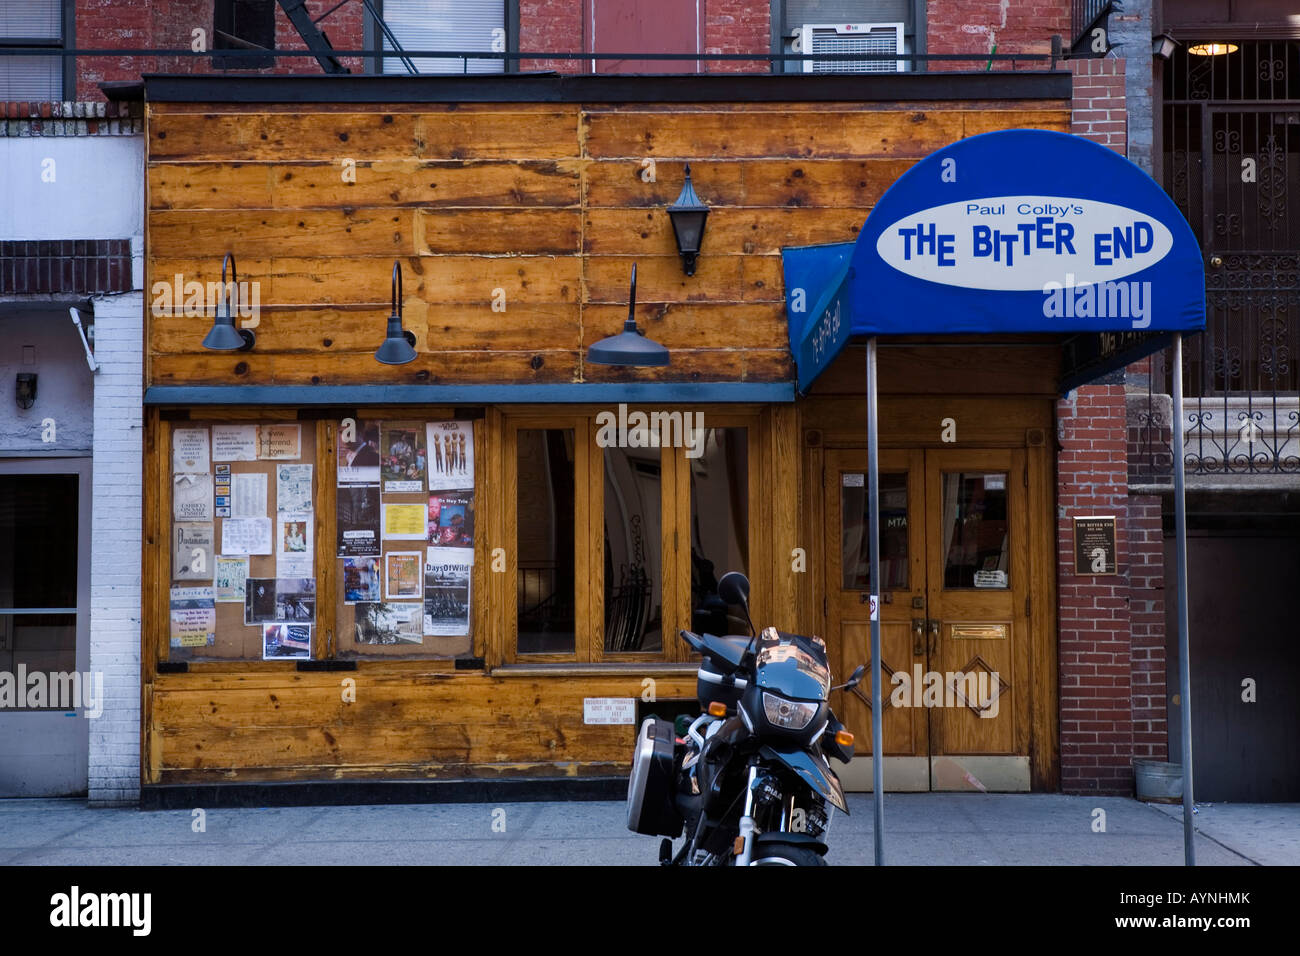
(975, 530)
(719, 480)
(633, 570)
(856, 558)
(545, 517)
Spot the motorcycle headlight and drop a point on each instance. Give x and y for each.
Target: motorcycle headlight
(788, 714)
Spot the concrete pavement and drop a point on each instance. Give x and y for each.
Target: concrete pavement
(931, 829)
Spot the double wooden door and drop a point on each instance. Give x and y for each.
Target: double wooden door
(955, 609)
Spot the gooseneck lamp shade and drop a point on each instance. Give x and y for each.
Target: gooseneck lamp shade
(398, 347)
(630, 347)
(223, 336)
(688, 216)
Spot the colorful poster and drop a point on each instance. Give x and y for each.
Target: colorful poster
(358, 452)
(404, 522)
(293, 549)
(192, 497)
(358, 520)
(361, 580)
(388, 624)
(222, 488)
(293, 488)
(451, 520)
(446, 593)
(234, 443)
(190, 450)
(451, 455)
(279, 441)
(286, 641)
(280, 600)
(403, 571)
(193, 617)
(402, 460)
(192, 552)
(246, 536)
(230, 580)
(248, 497)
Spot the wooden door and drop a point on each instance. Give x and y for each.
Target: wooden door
(977, 576)
(906, 730)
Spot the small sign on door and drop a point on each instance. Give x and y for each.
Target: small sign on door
(609, 710)
(875, 608)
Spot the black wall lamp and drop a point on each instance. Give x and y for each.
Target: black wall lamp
(224, 337)
(630, 347)
(688, 215)
(399, 345)
(25, 390)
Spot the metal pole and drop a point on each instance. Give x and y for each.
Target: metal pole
(1184, 654)
(873, 539)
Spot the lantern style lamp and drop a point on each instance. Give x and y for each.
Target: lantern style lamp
(224, 337)
(630, 347)
(399, 345)
(688, 215)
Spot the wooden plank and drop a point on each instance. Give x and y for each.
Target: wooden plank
(659, 278)
(932, 369)
(788, 134)
(694, 325)
(786, 534)
(541, 132)
(341, 232)
(916, 420)
(729, 232)
(371, 182)
(498, 231)
(991, 120)
(324, 498)
(704, 365)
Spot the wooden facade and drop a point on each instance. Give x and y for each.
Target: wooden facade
(516, 224)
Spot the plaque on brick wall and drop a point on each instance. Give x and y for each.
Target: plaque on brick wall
(1094, 546)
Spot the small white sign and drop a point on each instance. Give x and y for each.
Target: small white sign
(996, 482)
(851, 480)
(990, 579)
(609, 710)
(875, 608)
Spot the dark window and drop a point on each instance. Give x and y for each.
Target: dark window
(545, 515)
(719, 526)
(32, 23)
(243, 25)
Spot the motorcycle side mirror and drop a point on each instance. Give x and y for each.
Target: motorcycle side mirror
(854, 679)
(733, 587)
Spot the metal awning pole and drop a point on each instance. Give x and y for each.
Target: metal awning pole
(1184, 654)
(873, 539)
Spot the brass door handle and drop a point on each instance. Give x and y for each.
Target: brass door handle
(934, 625)
(918, 636)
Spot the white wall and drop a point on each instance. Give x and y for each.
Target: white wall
(97, 192)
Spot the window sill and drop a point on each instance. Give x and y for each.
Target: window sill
(593, 670)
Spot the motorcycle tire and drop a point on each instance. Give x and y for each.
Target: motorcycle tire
(788, 856)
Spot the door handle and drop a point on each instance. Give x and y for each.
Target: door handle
(934, 625)
(918, 636)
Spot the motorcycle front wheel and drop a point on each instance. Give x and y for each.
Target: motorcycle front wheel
(788, 856)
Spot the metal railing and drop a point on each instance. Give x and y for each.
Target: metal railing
(1084, 15)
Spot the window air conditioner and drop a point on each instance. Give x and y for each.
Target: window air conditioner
(821, 38)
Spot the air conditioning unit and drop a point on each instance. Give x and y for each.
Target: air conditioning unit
(822, 38)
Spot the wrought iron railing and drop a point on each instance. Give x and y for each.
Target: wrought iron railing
(1084, 16)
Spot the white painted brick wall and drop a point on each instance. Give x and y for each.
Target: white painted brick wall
(115, 548)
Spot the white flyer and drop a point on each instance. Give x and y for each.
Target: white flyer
(293, 492)
(293, 550)
(192, 497)
(451, 455)
(246, 536)
(190, 450)
(234, 443)
(248, 495)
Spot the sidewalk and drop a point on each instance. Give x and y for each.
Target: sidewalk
(936, 829)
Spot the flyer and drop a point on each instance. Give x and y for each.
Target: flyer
(446, 593)
(361, 580)
(232, 575)
(248, 495)
(293, 488)
(451, 455)
(280, 600)
(358, 520)
(190, 450)
(358, 452)
(388, 624)
(246, 536)
(222, 489)
(234, 443)
(279, 441)
(402, 575)
(192, 552)
(193, 617)
(286, 641)
(404, 522)
(293, 551)
(192, 497)
(402, 460)
(451, 520)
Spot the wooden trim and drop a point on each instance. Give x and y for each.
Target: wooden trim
(325, 515)
(1044, 740)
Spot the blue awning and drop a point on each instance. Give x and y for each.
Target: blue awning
(1017, 231)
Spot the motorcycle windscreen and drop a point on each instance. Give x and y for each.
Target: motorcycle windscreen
(811, 770)
(793, 665)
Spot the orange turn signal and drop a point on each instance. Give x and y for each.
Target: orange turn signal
(717, 709)
(844, 738)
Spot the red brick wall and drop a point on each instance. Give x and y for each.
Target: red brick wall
(169, 24)
(553, 26)
(737, 26)
(975, 26)
(1099, 102)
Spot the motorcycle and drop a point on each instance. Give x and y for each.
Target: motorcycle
(750, 783)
